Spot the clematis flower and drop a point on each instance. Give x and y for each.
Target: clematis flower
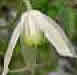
(31, 26)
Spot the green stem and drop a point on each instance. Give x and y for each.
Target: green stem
(28, 4)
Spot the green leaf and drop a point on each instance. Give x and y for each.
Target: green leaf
(70, 23)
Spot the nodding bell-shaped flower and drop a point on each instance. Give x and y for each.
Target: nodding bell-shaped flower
(31, 25)
(34, 23)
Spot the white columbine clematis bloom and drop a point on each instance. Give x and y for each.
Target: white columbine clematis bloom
(32, 24)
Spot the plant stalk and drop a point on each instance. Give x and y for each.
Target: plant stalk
(28, 4)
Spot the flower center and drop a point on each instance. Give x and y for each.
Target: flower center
(35, 40)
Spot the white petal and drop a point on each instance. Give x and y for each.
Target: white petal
(11, 47)
(55, 35)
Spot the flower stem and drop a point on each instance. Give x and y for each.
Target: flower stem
(28, 4)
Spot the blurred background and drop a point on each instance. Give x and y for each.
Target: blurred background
(64, 12)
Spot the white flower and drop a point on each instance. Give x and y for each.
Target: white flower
(34, 22)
